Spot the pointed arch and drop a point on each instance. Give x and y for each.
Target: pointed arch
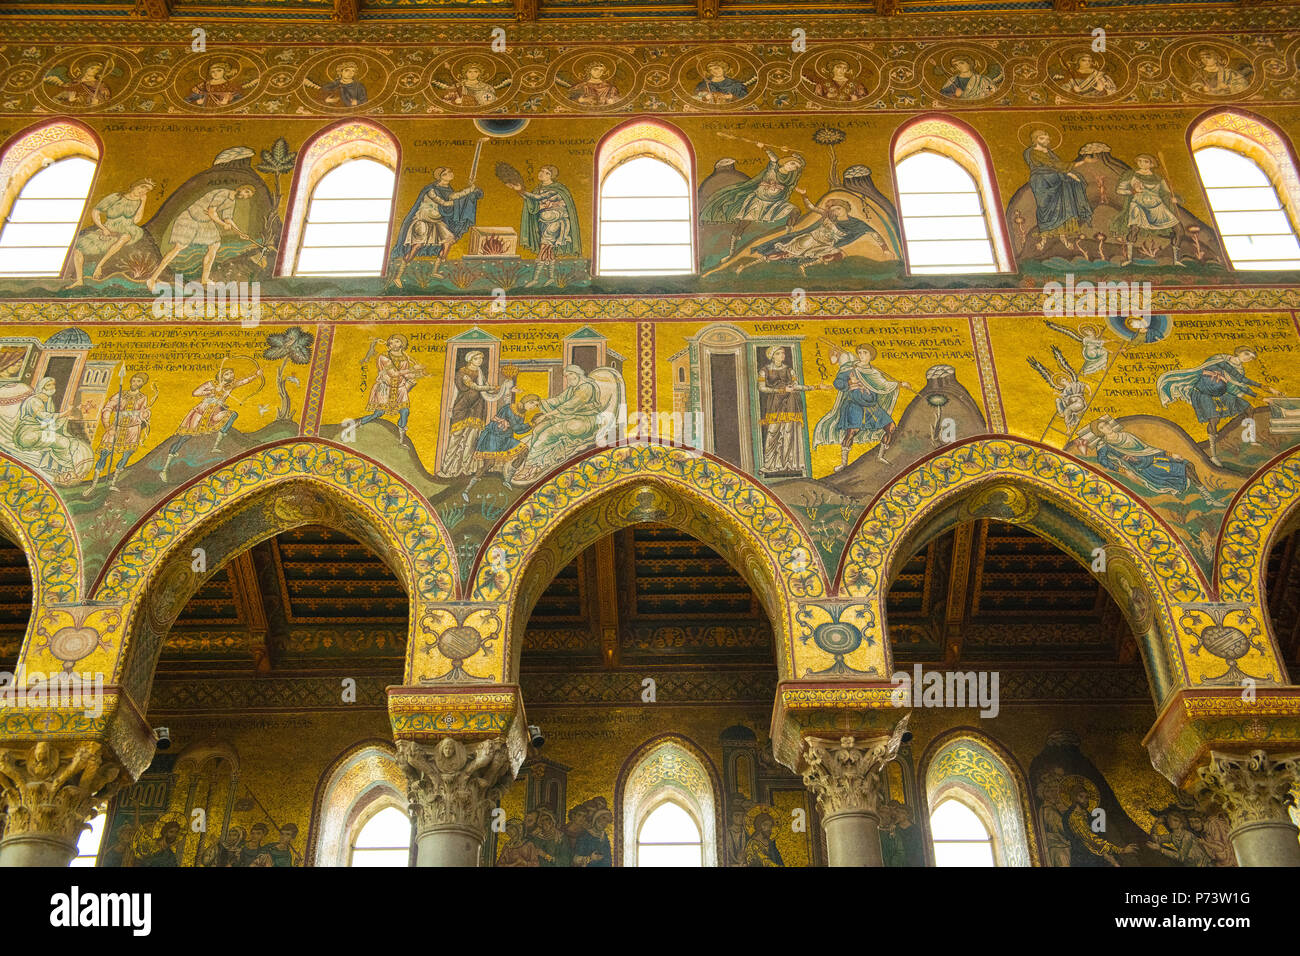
(362, 780)
(950, 139)
(983, 775)
(1076, 507)
(35, 518)
(343, 142)
(1264, 511)
(615, 488)
(32, 151)
(151, 575)
(669, 768)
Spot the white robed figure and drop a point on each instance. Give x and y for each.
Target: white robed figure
(33, 431)
(570, 423)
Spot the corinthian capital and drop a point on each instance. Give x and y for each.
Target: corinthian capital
(1254, 788)
(453, 784)
(846, 776)
(49, 788)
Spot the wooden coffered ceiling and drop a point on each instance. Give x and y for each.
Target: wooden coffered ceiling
(354, 11)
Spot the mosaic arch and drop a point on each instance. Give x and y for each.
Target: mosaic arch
(1265, 510)
(362, 780)
(615, 488)
(151, 575)
(35, 518)
(667, 768)
(977, 771)
(1009, 479)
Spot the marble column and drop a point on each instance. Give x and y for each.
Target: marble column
(50, 791)
(847, 779)
(1253, 790)
(453, 788)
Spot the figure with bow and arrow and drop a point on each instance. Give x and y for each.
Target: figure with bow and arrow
(213, 414)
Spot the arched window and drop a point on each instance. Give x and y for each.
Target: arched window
(363, 786)
(342, 205)
(89, 841)
(645, 207)
(977, 798)
(47, 174)
(382, 839)
(947, 200)
(669, 836)
(960, 836)
(667, 806)
(1252, 186)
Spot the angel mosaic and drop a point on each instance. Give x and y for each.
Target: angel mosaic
(220, 85)
(344, 87)
(718, 86)
(1084, 74)
(596, 88)
(840, 84)
(472, 86)
(966, 78)
(1071, 394)
(84, 85)
(1216, 75)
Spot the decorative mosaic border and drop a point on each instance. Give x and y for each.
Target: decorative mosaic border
(1257, 513)
(1171, 575)
(678, 308)
(31, 509)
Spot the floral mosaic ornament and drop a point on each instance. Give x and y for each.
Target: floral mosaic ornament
(37, 516)
(742, 516)
(1118, 517)
(1258, 516)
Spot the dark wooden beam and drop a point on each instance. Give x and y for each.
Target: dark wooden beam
(888, 8)
(707, 9)
(247, 594)
(957, 608)
(1068, 6)
(527, 9)
(152, 9)
(607, 624)
(346, 11)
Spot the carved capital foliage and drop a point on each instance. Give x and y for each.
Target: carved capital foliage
(450, 783)
(846, 775)
(52, 788)
(1251, 788)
